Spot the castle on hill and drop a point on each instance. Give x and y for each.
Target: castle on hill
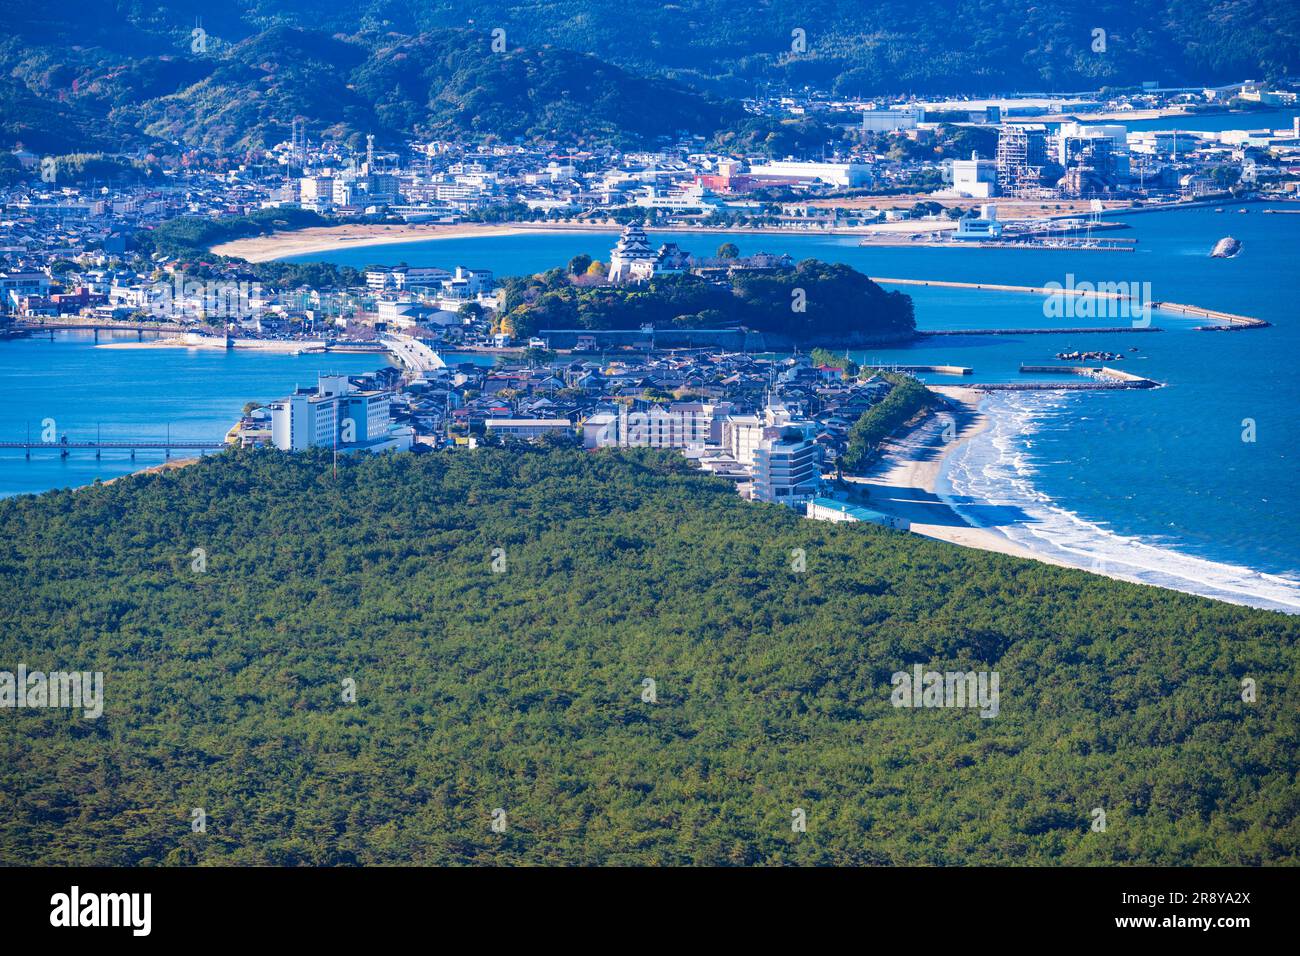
(632, 260)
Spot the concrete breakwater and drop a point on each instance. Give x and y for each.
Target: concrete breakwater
(1101, 378)
(1227, 319)
(999, 287)
(1058, 331)
(736, 340)
(936, 369)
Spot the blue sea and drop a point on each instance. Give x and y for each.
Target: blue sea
(148, 394)
(1157, 486)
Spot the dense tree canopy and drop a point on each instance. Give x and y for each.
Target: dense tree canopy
(245, 94)
(499, 611)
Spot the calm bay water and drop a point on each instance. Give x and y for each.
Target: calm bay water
(132, 395)
(1155, 485)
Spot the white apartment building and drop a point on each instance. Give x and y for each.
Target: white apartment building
(679, 425)
(335, 414)
(787, 468)
(448, 192)
(344, 192)
(741, 435)
(468, 283)
(406, 277)
(17, 284)
(316, 188)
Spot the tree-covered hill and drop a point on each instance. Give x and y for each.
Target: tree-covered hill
(246, 94)
(521, 688)
(813, 303)
(886, 46)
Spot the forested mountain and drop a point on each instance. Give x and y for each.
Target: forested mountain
(499, 612)
(246, 94)
(81, 77)
(875, 46)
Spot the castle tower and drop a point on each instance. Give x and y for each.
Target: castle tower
(631, 259)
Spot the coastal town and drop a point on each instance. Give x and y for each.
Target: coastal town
(773, 427)
(1040, 172)
(904, 172)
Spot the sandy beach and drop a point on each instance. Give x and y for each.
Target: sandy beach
(282, 245)
(279, 245)
(154, 469)
(903, 482)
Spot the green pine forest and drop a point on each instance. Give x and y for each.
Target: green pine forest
(522, 690)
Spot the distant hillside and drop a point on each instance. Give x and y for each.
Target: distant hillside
(245, 94)
(85, 77)
(923, 46)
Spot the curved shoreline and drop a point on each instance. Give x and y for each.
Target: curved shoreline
(321, 239)
(1039, 527)
(904, 482)
(286, 245)
(283, 245)
(911, 481)
(316, 239)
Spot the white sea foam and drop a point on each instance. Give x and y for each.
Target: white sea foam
(989, 481)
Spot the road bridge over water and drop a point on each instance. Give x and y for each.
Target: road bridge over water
(413, 354)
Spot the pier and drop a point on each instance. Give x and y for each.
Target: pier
(1103, 379)
(1021, 241)
(1063, 331)
(936, 369)
(84, 326)
(1225, 320)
